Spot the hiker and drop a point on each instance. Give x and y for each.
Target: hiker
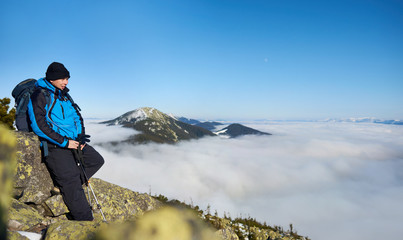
(59, 125)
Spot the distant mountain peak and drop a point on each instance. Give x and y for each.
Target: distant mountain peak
(188, 120)
(137, 115)
(236, 129)
(365, 120)
(157, 126)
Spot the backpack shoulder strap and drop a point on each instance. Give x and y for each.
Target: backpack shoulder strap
(46, 94)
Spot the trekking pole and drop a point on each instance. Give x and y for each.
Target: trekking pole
(78, 155)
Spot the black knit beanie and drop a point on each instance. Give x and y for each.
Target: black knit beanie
(56, 71)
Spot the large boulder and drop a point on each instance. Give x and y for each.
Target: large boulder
(32, 182)
(73, 230)
(55, 205)
(7, 166)
(117, 203)
(167, 223)
(23, 217)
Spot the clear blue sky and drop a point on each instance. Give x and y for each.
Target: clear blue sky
(273, 59)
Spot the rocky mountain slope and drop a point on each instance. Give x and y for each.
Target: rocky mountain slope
(209, 125)
(231, 131)
(130, 215)
(236, 130)
(157, 127)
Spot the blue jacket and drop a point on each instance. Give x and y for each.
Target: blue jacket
(56, 121)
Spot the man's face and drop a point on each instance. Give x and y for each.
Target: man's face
(60, 83)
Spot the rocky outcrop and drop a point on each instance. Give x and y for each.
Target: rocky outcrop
(34, 207)
(227, 233)
(22, 217)
(54, 206)
(74, 230)
(166, 223)
(120, 203)
(7, 163)
(129, 214)
(32, 182)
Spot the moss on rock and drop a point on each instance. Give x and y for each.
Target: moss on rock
(227, 233)
(73, 230)
(22, 217)
(32, 179)
(274, 235)
(7, 169)
(56, 205)
(119, 203)
(260, 234)
(167, 223)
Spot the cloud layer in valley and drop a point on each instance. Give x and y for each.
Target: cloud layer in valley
(330, 180)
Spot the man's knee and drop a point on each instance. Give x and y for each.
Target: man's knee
(101, 161)
(92, 157)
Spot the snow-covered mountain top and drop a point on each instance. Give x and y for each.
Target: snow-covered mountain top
(138, 115)
(172, 116)
(362, 119)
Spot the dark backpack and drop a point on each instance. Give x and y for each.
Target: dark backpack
(22, 93)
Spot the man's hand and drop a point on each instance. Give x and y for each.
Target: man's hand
(73, 144)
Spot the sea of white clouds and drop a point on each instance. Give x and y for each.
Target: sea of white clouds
(330, 180)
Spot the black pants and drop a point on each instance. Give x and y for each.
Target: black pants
(68, 177)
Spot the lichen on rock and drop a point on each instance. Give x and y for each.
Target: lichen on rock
(73, 230)
(23, 217)
(32, 178)
(7, 167)
(167, 223)
(56, 205)
(227, 233)
(119, 203)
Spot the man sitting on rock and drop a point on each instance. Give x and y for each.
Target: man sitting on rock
(60, 124)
